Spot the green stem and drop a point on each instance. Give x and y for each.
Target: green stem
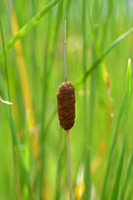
(30, 24)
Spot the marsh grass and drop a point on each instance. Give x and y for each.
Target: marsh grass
(99, 36)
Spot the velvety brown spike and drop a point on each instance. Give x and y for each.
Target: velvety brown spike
(66, 105)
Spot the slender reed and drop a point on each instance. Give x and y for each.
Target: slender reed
(69, 165)
(29, 25)
(46, 79)
(66, 110)
(68, 138)
(105, 53)
(15, 139)
(65, 72)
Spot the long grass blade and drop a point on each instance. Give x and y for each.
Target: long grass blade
(105, 53)
(129, 195)
(59, 164)
(113, 143)
(99, 54)
(117, 180)
(30, 24)
(22, 68)
(47, 73)
(120, 166)
(15, 140)
(106, 23)
(87, 174)
(126, 178)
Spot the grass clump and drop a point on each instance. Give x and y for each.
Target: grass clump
(33, 149)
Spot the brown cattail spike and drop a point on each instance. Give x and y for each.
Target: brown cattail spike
(66, 105)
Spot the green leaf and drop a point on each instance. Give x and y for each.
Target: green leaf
(120, 166)
(30, 24)
(105, 53)
(118, 175)
(15, 139)
(125, 100)
(126, 178)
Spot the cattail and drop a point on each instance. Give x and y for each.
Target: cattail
(66, 110)
(66, 105)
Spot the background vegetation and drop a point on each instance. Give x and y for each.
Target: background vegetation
(33, 159)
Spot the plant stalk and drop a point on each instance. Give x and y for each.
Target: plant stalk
(69, 166)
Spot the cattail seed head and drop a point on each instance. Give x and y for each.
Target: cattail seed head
(66, 105)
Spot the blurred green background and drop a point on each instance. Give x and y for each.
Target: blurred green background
(34, 164)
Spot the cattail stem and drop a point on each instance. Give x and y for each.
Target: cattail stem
(69, 166)
(65, 71)
(68, 138)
